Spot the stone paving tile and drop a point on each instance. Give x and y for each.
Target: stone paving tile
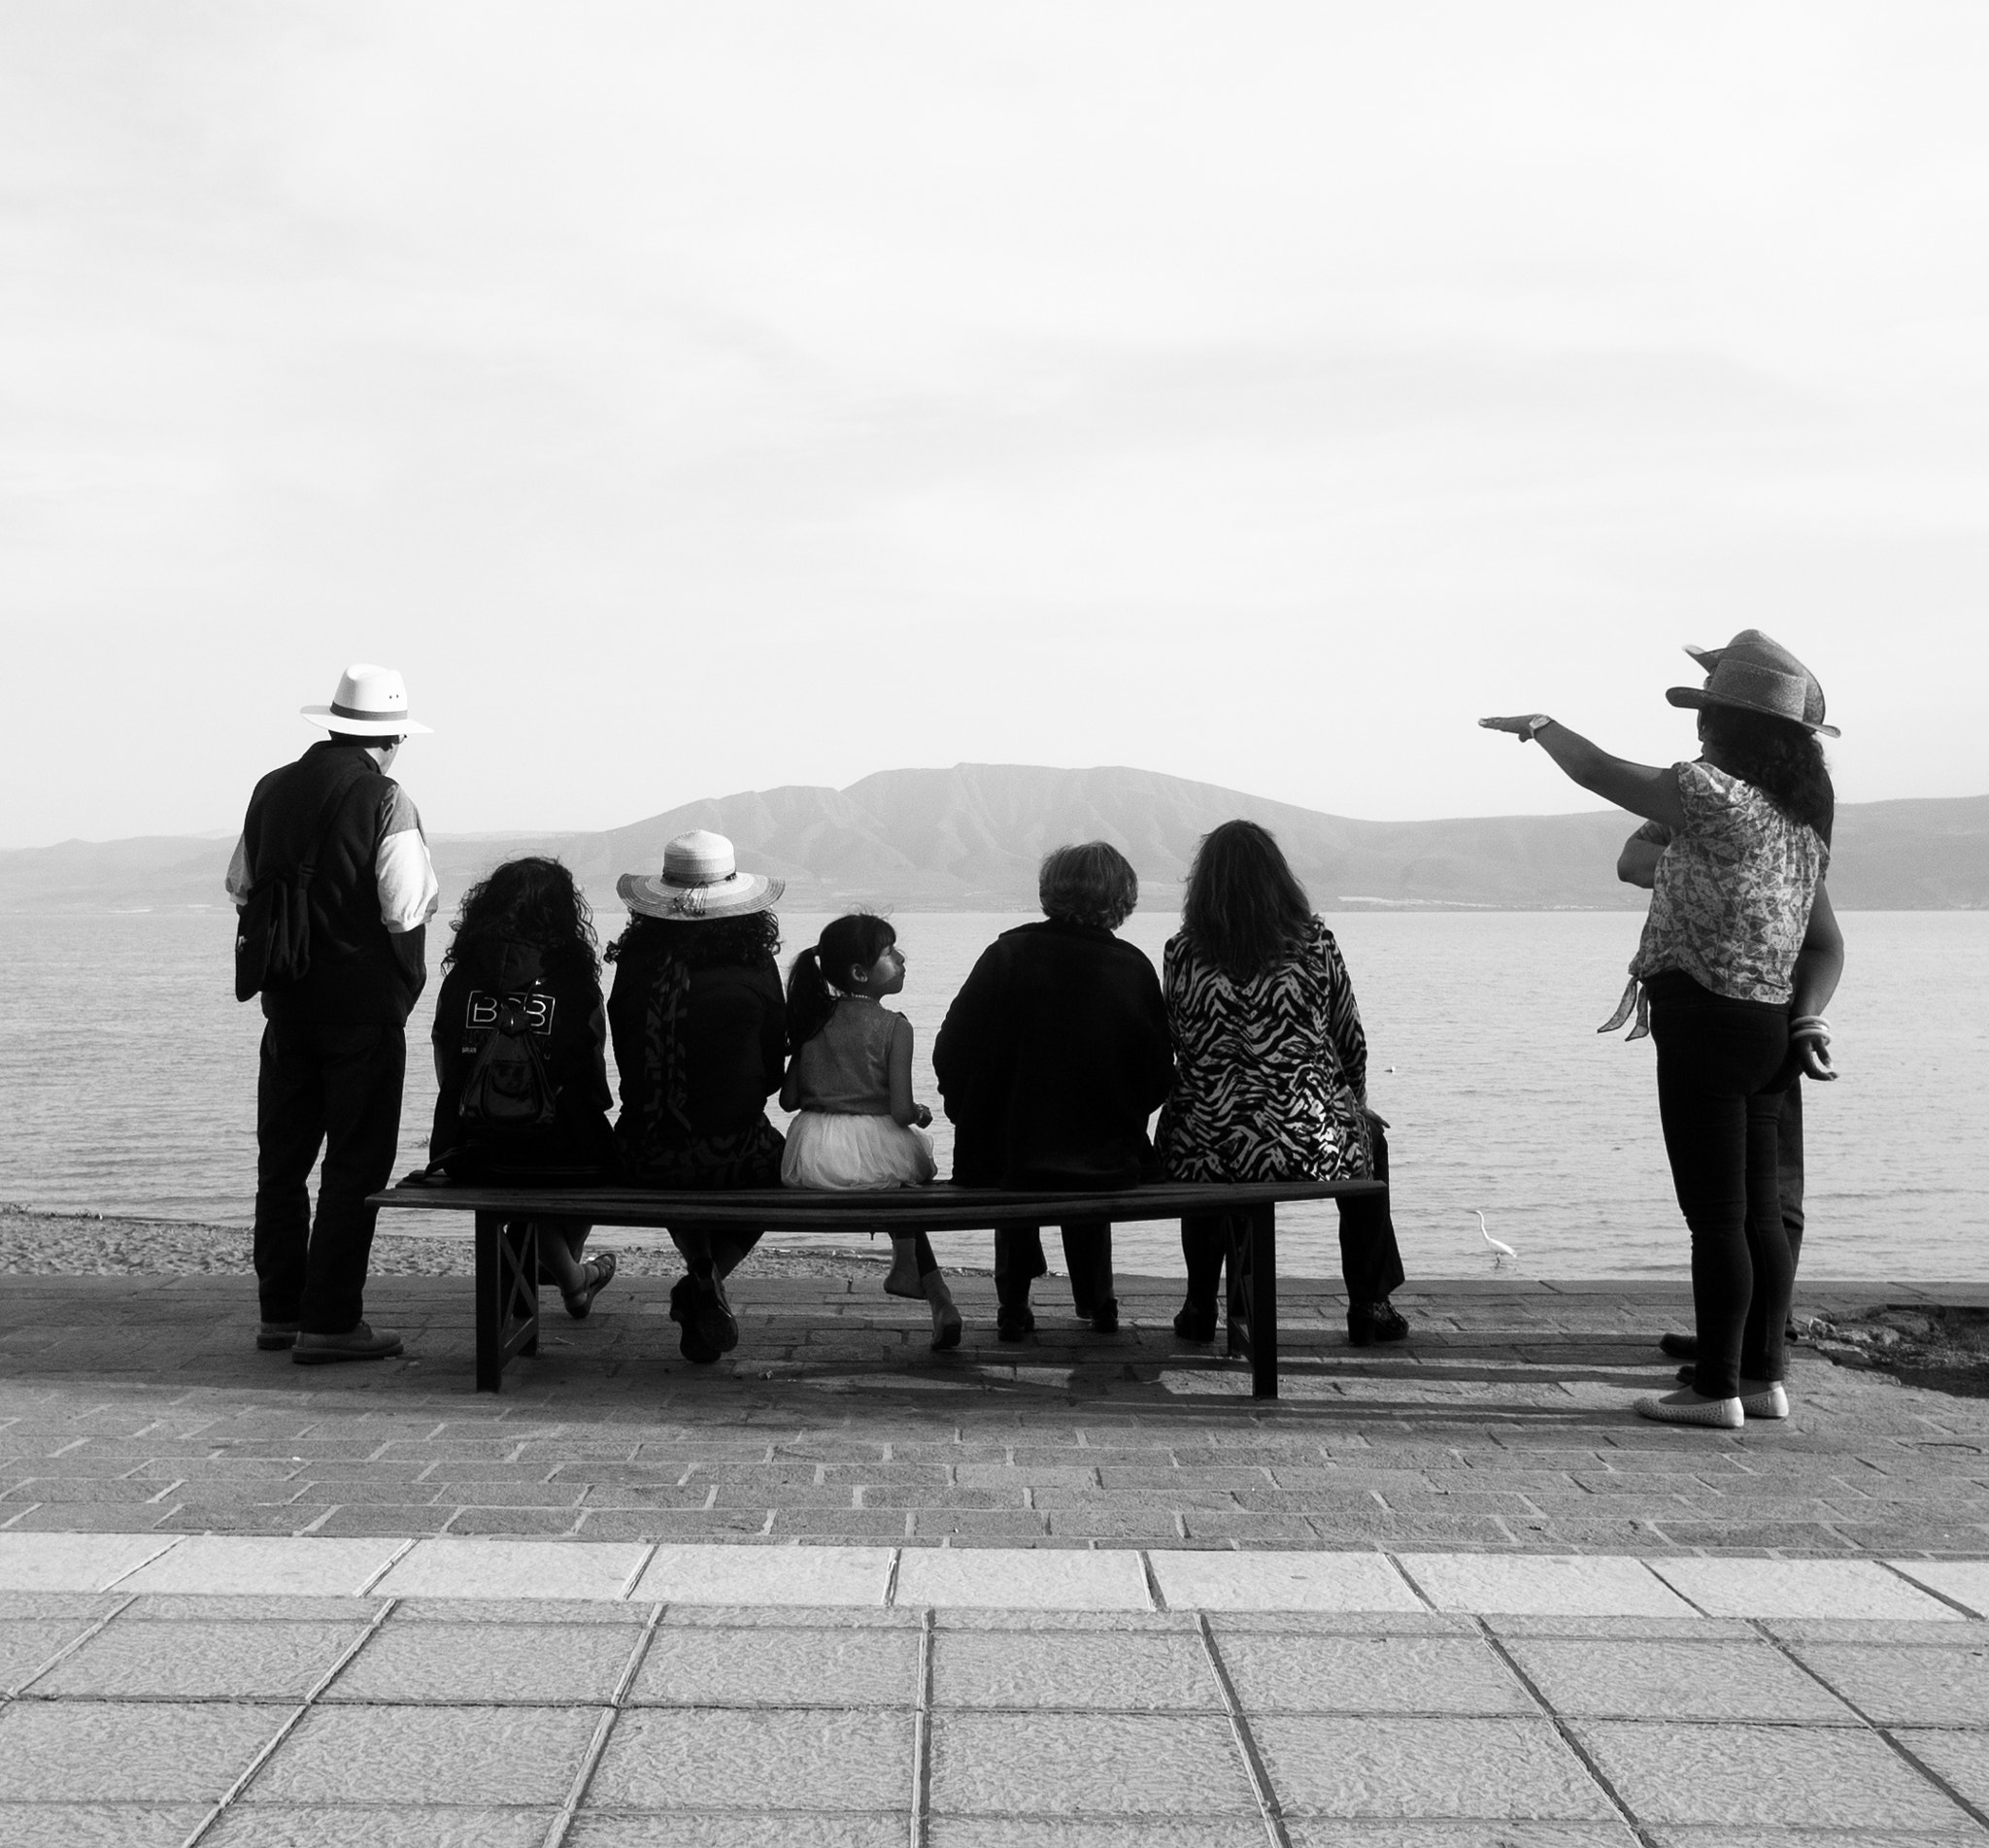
(1167, 1672)
(1093, 1831)
(98, 1825)
(27, 1643)
(1733, 1778)
(1907, 1686)
(351, 1826)
(1371, 1675)
(91, 1751)
(413, 1756)
(454, 1663)
(790, 1829)
(1490, 1770)
(195, 1661)
(732, 1667)
(666, 1759)
(1624, 1678)
(285, 1568)
(1070, 1763)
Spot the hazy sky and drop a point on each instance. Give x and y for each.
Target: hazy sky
(696, 399)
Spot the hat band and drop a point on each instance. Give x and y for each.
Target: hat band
(361, 713)
(695, 882)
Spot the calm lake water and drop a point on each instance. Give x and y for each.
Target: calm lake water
(128, 1075)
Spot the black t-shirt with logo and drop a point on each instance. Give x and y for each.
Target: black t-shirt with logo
(563, 1005)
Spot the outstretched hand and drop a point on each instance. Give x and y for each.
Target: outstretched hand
(1521, 725)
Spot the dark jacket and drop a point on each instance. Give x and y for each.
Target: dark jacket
(361, 972)
(732, 1035)
(571, 1025)
(1052, 1059)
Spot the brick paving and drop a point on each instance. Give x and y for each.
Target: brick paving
(138, 1405)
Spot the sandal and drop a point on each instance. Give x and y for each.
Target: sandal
(579, 1302)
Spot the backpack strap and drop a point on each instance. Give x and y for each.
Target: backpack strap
(320, 832)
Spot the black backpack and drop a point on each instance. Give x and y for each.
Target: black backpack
(508, 1088)
(273, 927)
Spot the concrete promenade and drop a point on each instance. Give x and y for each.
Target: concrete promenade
(1085, 1592)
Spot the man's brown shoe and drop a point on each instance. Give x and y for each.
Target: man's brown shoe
(359, 1343)
(274, 1336)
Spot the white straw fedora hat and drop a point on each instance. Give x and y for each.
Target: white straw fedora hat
(700, 880)
(372, 702)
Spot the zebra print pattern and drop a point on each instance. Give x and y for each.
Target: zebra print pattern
(1271, 1075)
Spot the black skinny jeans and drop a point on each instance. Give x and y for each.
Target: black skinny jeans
(1722, 1070)
(1370, 1261)
(337, 1088)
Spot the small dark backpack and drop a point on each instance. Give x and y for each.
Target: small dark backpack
(273, 927)
(508, 1088)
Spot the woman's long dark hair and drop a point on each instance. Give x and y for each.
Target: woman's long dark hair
(531, 900)
(712, 943)
(1245, 908)
(1781, 759)
(857, 938)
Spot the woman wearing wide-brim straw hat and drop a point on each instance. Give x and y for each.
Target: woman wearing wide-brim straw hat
(700, 1031)
(1740, 955)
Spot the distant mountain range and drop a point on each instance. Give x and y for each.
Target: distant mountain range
(969, 839)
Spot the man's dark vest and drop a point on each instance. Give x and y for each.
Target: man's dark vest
(361, 972)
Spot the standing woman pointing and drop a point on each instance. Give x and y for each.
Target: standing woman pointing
(1740, 955)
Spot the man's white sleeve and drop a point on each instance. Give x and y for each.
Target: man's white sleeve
(409, 891)
(238, 880)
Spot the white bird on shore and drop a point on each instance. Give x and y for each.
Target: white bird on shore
(1501, 1252)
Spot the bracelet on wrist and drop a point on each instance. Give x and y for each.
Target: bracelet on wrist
(1537, 724)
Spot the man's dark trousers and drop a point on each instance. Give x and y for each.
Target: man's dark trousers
(337, 1087)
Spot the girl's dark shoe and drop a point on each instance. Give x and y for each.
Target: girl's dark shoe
(1194, 1323)
(602, 1270)
(1680, 1347)
(1371, 1321)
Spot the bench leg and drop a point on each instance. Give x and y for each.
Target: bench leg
(1236, 1301)
(507, 1294)
(490, 1302)
(522, 1236)
(1264, 1301)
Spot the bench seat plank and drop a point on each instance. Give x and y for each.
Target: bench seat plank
(507, 1248)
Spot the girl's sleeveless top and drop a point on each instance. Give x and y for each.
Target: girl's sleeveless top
(845, 1069)
(1734, 890)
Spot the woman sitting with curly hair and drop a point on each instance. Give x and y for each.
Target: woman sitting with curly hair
(524, 947)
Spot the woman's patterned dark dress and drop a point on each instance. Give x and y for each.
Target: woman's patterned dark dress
(1269, 1074)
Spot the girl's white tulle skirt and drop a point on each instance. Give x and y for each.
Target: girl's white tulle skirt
(838, 1151)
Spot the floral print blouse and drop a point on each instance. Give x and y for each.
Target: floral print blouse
(1734, 889)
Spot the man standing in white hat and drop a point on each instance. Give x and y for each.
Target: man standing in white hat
(337, 839)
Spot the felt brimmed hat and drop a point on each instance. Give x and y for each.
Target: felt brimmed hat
(372, 702)
(700, 881)
(1756, 673)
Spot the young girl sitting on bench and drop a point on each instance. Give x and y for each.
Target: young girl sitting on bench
(850, 1076)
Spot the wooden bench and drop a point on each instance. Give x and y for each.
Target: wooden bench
(507, 1300)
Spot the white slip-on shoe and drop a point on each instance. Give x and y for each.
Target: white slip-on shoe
(1688, 1408)
(1764, 1398)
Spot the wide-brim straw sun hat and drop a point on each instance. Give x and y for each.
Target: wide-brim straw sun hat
(371, 702)
(1756, 673)
(700, 881)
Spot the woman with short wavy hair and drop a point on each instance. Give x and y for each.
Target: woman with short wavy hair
(1051, 1060)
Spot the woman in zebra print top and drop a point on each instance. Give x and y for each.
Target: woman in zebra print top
(1270, 1077)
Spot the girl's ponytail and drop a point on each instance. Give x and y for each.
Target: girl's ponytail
(809, 1000)
(856, 940)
